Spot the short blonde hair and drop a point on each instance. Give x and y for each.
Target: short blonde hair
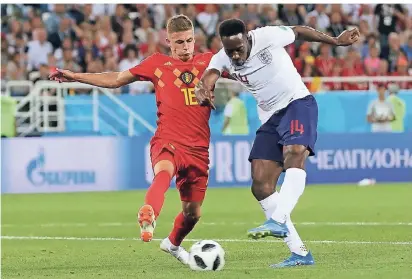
(179, 23)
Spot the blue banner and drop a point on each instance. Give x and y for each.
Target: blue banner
(60, 164)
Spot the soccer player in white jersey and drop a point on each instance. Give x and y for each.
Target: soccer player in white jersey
(287, 110)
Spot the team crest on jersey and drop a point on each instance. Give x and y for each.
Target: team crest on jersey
(265, 56)
(187, 77)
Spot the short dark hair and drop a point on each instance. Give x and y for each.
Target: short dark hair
(230, 27)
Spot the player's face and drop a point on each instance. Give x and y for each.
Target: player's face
(236, 47)
(182, 44)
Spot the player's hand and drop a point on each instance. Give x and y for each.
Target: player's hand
(348, 37)
(204, 97)
(62, 76)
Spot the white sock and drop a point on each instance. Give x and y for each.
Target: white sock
(292, 188)
(269, 204)
(293, 240)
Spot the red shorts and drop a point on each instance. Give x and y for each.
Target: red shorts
(191, 167)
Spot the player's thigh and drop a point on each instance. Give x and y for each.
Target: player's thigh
(266, 145)
(163, 158)
(298, 125)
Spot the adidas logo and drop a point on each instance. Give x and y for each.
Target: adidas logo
(201, 62)
(168, 63)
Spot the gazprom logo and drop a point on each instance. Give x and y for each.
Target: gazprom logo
(39, 176)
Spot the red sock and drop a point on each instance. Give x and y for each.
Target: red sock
(182, 227)
(155, 195)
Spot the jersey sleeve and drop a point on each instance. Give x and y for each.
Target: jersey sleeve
(220, 62)
(279, 36)
(145, 70)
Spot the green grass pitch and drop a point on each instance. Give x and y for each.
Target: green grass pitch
(353, 232)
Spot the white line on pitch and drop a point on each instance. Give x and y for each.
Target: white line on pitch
(117, 224)
(194, 240)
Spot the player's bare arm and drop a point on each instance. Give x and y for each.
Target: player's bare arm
(204, 89)
(106, 80)
(306, 33)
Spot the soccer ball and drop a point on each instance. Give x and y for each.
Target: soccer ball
(206, 255)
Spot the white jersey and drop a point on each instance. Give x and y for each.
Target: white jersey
(268, 73)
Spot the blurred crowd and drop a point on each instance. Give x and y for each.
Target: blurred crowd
(114, 37)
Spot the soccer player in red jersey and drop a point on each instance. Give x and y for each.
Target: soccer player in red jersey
(181, 142)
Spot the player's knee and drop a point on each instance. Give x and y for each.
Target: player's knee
(264, 176)
(191, 211)
(295, 156)
(192, 216)
(262, 186)
(262, 190)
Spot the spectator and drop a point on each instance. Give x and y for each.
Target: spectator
(68, 62)
(380, 112)
(371, 41)
(290, 16)
(54, 18)
(372, 62)
(383, 71)
(67, 44)
(117, 20)
(208, 19)
(38, 49)
(407, 48)
(251, 13)
(322, 18)
(336, 72)
(269, 16)
(389, 16)
(392, 51)
(368, 16)
(399, 108)
(131, 58)
(200, 43)
(336, 27)
(44, 72)
(405, 35)
(351, 13)
(142, 32)
(235, 122)
(324, 62)
(150, 47)
(215, 44)
(64, 31)
(104, 32)
(191, 13)
(402, 70)
(304, 53)
(103, 9)
(353, 67)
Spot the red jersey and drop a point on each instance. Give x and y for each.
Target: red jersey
(180, 118)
